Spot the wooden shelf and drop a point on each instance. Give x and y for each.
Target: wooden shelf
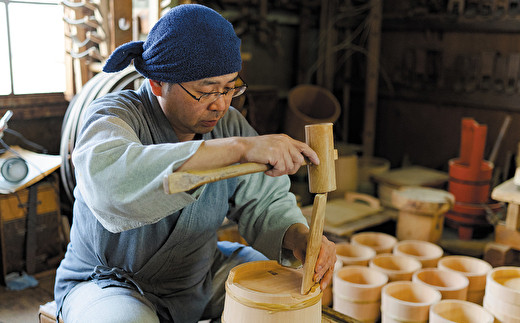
(485, 100)
(452, 23)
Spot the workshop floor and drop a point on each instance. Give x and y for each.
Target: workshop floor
(22, 306)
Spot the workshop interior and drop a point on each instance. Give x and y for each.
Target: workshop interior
(417, 108)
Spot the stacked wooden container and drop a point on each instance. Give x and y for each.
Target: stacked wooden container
(415, 282)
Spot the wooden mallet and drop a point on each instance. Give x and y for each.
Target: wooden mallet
(322, 179)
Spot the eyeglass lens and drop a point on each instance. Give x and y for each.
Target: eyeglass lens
(211, 97)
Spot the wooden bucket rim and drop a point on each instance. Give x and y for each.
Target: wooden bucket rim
(433, 251)
(274, 302)
(462, 282)
(483, 267)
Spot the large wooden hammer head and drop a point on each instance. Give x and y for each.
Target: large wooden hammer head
(322, 177)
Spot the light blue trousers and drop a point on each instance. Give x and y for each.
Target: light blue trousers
(87, 302)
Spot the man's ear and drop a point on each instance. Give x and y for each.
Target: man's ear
(156, 87)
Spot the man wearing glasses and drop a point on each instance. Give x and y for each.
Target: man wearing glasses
(140, 255)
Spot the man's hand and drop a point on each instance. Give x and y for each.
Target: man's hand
(285, 154)
(296, 240)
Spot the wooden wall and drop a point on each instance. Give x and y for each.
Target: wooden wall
(418, 116)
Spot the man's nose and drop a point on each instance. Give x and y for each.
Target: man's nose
(219, 104)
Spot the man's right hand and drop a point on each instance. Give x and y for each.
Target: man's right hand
(285, 154)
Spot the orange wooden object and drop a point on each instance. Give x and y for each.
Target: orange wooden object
(470, 174)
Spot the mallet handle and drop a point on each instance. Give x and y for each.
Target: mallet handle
(177, 182)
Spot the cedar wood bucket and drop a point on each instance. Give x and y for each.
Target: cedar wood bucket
(421, 212)
(406, 301)
(357, 292)
(474, 269)
(396, 267)
(502, 297)
(351, 254)
(450, 284)
(264, 292)
(309, 104)
(379, 241)
(426, 252)
(454, 310)
(470, 174)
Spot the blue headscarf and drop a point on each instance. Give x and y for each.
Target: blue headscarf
(190, 42)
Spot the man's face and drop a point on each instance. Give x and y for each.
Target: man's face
(189, 116)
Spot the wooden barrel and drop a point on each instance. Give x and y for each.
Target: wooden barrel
(309, 104)
(352, 254)
(450, 284)
(426, 252)
(474, 269)
(421, 212)
(406, 301)
(379, 241)
(357, 292)
(454, 310)
(502, 297)
(264, 291)
(396, 267)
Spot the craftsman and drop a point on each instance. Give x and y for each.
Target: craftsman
(139, 255)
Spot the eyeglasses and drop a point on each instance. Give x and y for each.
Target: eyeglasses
(211, 97)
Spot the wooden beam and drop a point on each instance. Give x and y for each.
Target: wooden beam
(372, 76)
(513, 218)
(507, 237)
(121, 22)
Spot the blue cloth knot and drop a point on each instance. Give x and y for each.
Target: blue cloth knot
(190, 42)
(124, 53)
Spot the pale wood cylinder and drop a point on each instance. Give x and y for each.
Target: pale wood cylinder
(357, 292)
(502, 297)
(474, 269)
(350, 254)
(322, 177)
(265, 292)
(379, 241)
(396, 267)
(426, 252)
(453, 310)
(450, 284)
(421, 212)
(406, 301)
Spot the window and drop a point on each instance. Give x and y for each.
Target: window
(32, 54)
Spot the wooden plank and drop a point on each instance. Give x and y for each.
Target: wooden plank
(513, 217)
(329, 315)
(497, 254)
(340, 211)
(507, 192)
(121, 23)
(30, 236)
(322, 37)
(303, 39)
(507, 237)
(372, 77)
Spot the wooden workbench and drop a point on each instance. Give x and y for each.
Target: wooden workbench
(506, 248)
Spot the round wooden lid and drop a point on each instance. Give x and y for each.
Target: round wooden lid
(268, 282)
(422, 199)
